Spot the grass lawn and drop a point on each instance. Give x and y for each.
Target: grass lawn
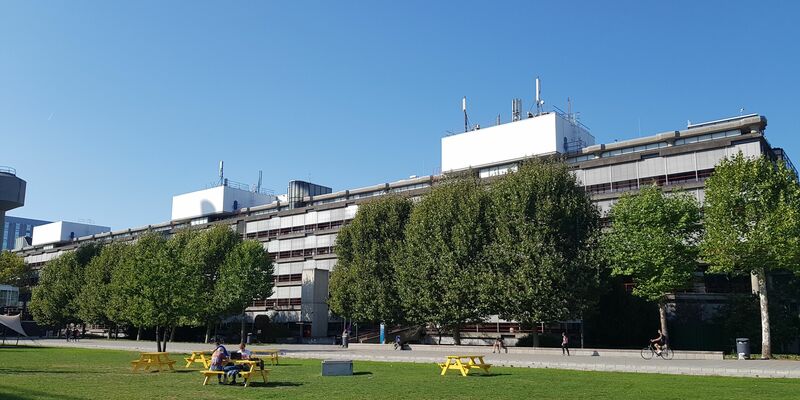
(68, 374)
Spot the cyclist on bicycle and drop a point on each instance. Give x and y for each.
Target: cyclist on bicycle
(660, 342)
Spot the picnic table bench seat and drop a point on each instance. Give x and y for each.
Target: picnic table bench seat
(246, 373)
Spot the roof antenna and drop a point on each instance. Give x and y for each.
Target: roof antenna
(464, 108)
(221, 172)
(539, 100)
(258, 187)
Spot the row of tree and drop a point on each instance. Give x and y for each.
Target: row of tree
(529, 247)
(193, 278)
(521, 249)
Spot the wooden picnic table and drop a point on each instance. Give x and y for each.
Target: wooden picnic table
(464, 363)
(273, 354)
(155, 359)
(202, 357)
(247, 373)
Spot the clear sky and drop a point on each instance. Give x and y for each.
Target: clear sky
(108, 108)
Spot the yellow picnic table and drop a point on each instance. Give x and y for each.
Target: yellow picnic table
(156, 359)
(464, 364)
(202, 357)
(247, 373)
(273, 354)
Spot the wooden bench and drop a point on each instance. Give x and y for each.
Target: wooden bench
(273, 355)
(148, 360)
(250, 369)
(202, 357)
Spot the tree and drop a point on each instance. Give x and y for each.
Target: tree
(362, 286)
(654, 240)
(544, 228)
(444, 277)
(752, 221)
(153, 282)
(95, 304)
(13, 270)
(204, 253)
(54, 300)
(245, 275)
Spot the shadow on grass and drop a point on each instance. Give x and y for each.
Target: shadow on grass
(275, 384)
(492, 375)
(15, 393)
(362, 373)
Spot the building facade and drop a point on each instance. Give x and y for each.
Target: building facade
(300, 232)
(15, 228)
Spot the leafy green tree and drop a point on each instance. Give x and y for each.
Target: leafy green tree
(153, 282)
(13, 270)
(245, 275)
(654, 240)
(445, 278)
(54, 300)
(544, 230)
(95, 303)
(752, 221)
(362, 286)
(204, 253)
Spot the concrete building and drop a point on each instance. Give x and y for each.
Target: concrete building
(16, 228)
(299, 231)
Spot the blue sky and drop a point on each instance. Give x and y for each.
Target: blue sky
(108, 108)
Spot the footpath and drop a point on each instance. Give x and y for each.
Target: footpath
(685, 363)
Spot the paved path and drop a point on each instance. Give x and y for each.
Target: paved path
(749, 368)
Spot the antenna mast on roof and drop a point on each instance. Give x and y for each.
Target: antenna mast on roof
(258, 187)
(464, 108)
(539, 100)
(221, 172)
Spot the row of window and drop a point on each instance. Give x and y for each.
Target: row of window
(653, 146)
(278, 304)
(634, 149)
(282, 255)
(708, 136)
(660, 180)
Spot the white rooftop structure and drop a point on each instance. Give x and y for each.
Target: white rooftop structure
(542, 134)
(61, 231)
(219, 199)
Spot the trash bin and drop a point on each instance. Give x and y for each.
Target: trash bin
(249, 337)
(743, 348)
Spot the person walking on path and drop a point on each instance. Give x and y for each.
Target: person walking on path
(344, 338)
(499, 344)
(564, 344)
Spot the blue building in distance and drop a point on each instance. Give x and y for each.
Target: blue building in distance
(16, 227)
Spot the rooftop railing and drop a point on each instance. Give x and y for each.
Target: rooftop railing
(8, 170)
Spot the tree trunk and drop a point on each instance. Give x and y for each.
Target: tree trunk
(766, 347)
(208, 332)
(662, 314)
(172, 334)
(139, 334)
(164, 338)
(457, 335)
(535, 341)
(158, 341)
(243, 329)
(110, 333)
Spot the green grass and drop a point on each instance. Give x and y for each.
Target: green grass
(69, 374)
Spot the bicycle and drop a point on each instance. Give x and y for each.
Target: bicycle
(666, 352)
